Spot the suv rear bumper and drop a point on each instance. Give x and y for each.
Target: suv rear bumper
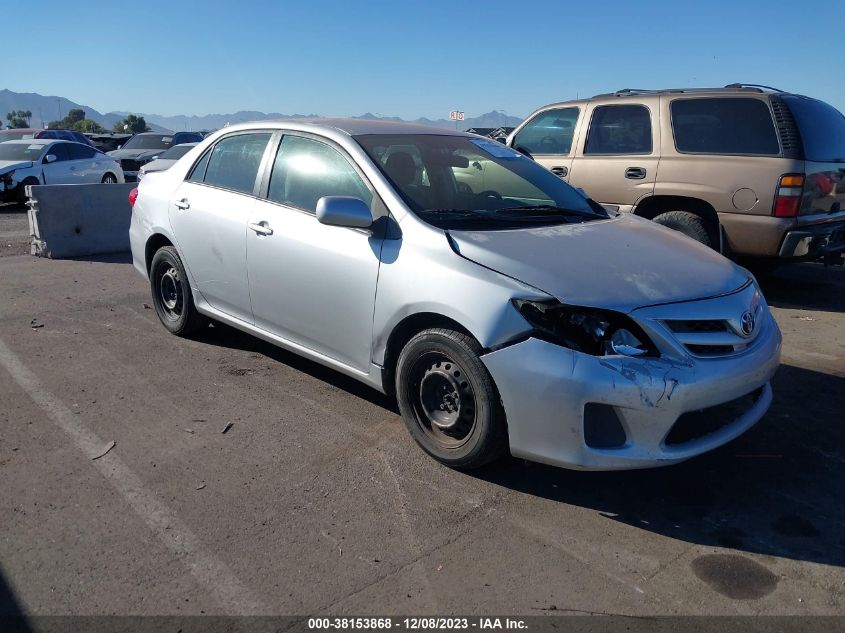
(815, 241)
(809, 237)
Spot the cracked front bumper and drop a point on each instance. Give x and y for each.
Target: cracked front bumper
(545, 387)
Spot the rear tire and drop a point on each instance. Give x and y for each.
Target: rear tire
(171, 294)
(22, 199)
(449, 401)
(109, 179)
(689, 224)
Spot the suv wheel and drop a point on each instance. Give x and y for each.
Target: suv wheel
(448, 399)
(689, 224)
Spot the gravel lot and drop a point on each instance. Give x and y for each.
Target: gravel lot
(316, 501)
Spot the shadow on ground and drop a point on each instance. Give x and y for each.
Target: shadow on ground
(777, 490)
(12, 617)
(806, 286)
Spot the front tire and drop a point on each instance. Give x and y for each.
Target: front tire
(22, 199)
(449, 401)
(689, 224)
(171, 294)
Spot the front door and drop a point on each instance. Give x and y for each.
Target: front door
(310, 283)
(549, 138)
(209, 214)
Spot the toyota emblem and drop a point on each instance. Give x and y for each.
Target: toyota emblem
(746, 323)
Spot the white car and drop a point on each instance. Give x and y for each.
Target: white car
(51, 162)
(166, 159)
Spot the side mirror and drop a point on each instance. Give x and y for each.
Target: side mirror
(344, 211)
(119, 146)
(50, 158)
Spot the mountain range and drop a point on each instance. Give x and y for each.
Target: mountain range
(51, 108)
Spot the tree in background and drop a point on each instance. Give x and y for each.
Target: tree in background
(18, 118)
(131, 123)
(75, 120)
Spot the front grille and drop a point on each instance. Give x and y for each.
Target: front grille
(711, 350)
(709, 325)
(694, 425)
(128, 164)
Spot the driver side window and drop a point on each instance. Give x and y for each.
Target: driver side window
(59, 150)
(550, 133)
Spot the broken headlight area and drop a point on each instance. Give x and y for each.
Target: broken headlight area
(587, 330)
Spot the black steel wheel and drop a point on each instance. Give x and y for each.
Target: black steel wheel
(448, 399)
(171, 294)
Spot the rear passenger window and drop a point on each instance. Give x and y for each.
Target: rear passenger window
(80, 152)
(234, 161)
(724, 126)
(306, 170)
(619, 129)
(549, 133)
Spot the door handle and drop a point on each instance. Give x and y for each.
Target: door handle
(182, 204)
(635, 173)
(262, 228)
(563, 172)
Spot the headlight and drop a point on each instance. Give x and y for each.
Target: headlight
(588, 330)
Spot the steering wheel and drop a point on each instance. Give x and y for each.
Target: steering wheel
(548, 143)
(489, 193)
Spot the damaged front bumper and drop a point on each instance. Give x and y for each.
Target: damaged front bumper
(587, 412)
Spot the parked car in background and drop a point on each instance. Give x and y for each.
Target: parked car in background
(142, 148)
(743, 169)
(519, 316)
(25, 133)
(108, 141)
(46, 162)
(165, 160)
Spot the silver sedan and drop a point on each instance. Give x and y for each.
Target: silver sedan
(503, 309)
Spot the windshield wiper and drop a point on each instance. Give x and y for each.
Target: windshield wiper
(553, 209)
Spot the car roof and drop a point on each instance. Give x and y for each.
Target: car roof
(36, 141)
(351, 127)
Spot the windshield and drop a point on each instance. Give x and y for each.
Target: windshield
(177, 151)
(20, 151)
(822, 128)
(149, 141)
(452, 181)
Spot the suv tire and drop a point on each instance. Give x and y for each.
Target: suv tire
(688, 223)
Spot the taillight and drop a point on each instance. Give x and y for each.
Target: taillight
(788, 199)
(133, 196)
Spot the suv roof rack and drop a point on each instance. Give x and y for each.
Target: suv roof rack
(642, 91)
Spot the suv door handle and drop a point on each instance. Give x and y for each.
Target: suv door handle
(563, 172)
(182, 204)
(262, 228)
(635, 173)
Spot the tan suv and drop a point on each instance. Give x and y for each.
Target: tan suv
(748, 170)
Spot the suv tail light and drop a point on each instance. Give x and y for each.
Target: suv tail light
(788, 199)
(133, 196)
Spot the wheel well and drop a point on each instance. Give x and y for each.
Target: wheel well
(653, 206)
(404, 331)
(153, 244)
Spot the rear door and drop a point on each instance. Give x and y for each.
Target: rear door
(82, 164)
(209, 214)
(313, 284)
(616, 159)
(549, 138)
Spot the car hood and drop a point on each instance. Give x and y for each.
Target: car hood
(10, 165)
(135, 154)
(621, 264)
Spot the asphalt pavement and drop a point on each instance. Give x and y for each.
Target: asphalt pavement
(146, 474)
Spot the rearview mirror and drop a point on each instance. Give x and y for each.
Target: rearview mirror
(344, 211)
(456, 160)
(50, 158)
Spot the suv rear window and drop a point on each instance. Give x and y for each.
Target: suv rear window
(724, 126)
(619, 129)
(822, 128)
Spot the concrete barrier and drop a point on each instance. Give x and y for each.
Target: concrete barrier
(78, 220)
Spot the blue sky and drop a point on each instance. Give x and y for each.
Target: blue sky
(409, 58)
